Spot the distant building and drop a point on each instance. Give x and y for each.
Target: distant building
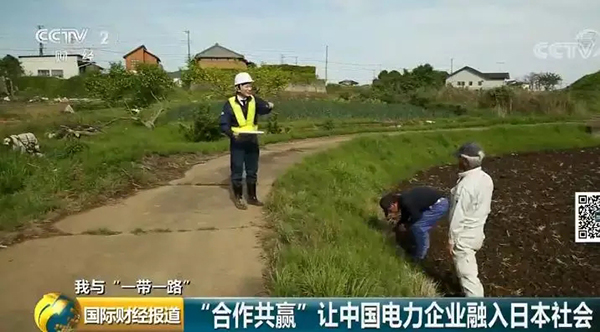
(139, 55)
(470, 78)
(176, 77)
(515, 83)
(50, 65)
(220, 57)
(348, 83)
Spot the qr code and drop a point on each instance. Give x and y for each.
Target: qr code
(587, 217)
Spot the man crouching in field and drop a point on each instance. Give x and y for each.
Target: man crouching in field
(417, 209)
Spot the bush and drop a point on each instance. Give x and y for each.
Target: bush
(122, 87)
(328, 125)
(71, 148)
(14, 171)
(205, 126)
(273, 126)
(501, 97)
(52, 87)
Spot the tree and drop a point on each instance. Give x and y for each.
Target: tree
(537, 81)
(113, 87)
(533, 80)
(141, 89)
(10, 67)
(150, 83)
(549, 80)
(389, 84)
(10, 70)
(268, 80)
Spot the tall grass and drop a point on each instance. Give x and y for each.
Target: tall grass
(327, 238)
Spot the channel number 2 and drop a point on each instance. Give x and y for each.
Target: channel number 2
(104, 36)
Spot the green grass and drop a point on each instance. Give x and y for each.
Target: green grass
(326, 238)
(76, 175)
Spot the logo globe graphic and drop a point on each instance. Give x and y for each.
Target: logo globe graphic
(55, 312)
(587, 38)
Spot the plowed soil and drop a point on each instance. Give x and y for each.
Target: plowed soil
(530, 247)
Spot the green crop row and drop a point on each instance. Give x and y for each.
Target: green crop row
(323, 109)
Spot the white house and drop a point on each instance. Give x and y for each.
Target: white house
(470, 78)
(50, 65)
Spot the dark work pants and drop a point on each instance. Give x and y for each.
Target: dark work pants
(244, 154)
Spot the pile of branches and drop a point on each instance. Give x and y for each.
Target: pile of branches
(74, 132)
(78, 131)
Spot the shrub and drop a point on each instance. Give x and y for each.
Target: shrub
(501, 97)
(205, 126)
(71, 148)
(14, 171)
(139, 89)
(328, 124)
(273, 126)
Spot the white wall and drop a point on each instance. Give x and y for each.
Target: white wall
(466, 76)
(69, 65)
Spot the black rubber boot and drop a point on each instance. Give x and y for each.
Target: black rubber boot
(252, 199)
(238, 199)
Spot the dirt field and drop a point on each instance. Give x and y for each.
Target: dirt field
(529, 248)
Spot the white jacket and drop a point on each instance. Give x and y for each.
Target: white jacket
(471, 203)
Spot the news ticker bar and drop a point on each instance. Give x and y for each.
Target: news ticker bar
(319, 314)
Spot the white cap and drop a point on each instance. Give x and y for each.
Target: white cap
(242, 78)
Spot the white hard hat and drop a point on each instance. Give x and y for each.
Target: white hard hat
(242, 78)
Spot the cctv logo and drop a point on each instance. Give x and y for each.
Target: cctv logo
(584, 46)
(61, 36)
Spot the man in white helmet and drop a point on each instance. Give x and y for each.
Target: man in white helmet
(239, 115)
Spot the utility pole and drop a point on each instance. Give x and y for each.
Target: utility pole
(296, 60)
(451, 66)
(41, 44)
(187, 32)
(326, 61)
(282, 58)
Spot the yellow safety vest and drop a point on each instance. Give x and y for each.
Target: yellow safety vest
(245, 124)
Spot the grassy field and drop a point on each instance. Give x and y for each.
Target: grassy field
(327, 239)
(78, 174)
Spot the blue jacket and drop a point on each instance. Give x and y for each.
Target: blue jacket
(228, 119)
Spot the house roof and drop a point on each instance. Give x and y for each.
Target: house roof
(348, 82)
(175, 74)
(487, 76)
(145, 50)
(218, 51)
(89, 64)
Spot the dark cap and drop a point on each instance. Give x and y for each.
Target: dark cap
(469, 149)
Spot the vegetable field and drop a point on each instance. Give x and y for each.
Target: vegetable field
(291, 110)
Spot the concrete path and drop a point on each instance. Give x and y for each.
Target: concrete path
(188, 230)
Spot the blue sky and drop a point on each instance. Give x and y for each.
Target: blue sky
(363, 36)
